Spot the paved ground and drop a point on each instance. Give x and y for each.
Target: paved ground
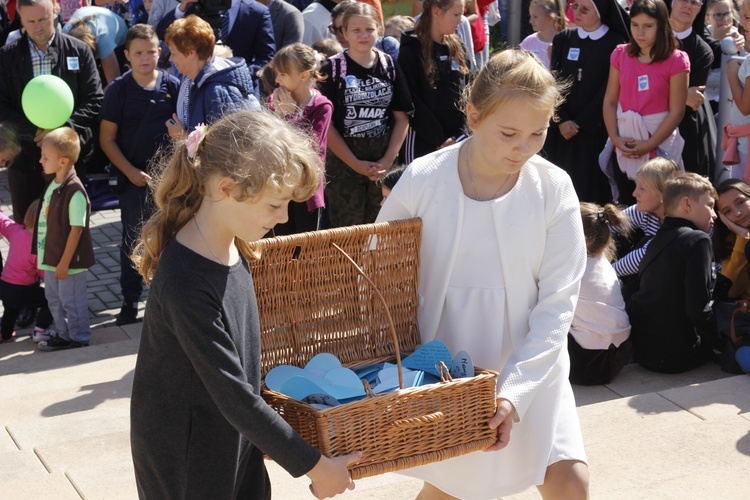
(64, 428)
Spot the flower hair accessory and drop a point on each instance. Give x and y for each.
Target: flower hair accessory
(195, 140)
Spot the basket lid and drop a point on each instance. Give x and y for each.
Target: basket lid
(311, 299)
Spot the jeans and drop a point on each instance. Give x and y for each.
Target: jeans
(134, 211)
(69, 306)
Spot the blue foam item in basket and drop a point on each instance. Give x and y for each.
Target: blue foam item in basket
(301, 387)
(276, 378)
(743, 358)
(389, 380)
(322, 364)
(369, 372)
(343, 379)
(428, 357)
(463, 366)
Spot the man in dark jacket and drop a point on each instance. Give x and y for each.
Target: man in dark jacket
(250, 32)
(43, 50)
(672, 326)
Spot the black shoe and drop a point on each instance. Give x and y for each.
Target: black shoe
(128, 314)
(26, 317)
(56, 343)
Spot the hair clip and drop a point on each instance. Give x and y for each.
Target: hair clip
(600, 215)
(194, 141)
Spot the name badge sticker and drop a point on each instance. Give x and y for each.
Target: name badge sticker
(443, 58)
(73, 64)
(351, 82)
(574, 53)
(642, 83)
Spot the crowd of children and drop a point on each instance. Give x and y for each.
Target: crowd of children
(387, 120)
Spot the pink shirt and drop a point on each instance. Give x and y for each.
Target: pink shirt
(20, 267)
(644, 88)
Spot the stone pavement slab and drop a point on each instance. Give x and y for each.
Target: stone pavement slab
(46, 486)
(99, 467)
(713, 400)
(72, 426)
(636, 380)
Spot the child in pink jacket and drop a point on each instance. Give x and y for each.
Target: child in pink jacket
(19, 281)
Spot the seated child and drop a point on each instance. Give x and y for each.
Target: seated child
(673, 328)
(19, 283)
(598, 341)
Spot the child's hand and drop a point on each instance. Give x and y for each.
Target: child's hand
(371, 170)
(637, 148)
(330, 476)
(283, 102)
(695, 97)
(740, 231)
(139, 177)
(568, 129)
(61, 272)
(624, 144)
(503, 422)
(175, 128)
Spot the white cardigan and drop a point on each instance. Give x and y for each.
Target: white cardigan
(544, 257)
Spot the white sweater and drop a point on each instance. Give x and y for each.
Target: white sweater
(543, 258)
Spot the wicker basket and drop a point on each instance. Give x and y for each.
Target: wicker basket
(312, 300)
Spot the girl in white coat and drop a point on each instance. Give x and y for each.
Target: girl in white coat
(502, 257)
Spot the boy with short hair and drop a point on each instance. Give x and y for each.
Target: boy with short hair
(673, 329)
(62, 241)
(133, 115)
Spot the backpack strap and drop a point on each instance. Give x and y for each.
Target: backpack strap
(338, 68)
(386, 61)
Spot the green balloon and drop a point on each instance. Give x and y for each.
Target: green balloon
(47, 101)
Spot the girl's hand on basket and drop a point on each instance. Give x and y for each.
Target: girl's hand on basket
(503, 422)
(330, 476)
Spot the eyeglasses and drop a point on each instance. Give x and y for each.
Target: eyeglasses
(720, 16)
(334, 30)
(581, 10)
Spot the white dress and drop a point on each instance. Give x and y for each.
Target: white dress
(475, 318)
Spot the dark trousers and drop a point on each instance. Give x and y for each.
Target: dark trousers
(597, 366)
(135, 210)
(15, 298)
(25, 186)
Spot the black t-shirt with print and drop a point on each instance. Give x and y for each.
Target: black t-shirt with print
(364, 104)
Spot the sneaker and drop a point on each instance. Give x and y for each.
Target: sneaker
(9, 340)
(41, 334)
(128, 314)
(55, 343)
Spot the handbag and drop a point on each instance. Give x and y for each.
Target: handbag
(118, 181)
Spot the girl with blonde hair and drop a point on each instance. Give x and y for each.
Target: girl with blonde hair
(502, 256)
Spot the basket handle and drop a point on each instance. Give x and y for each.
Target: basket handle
(387, 313)
(415, 421)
